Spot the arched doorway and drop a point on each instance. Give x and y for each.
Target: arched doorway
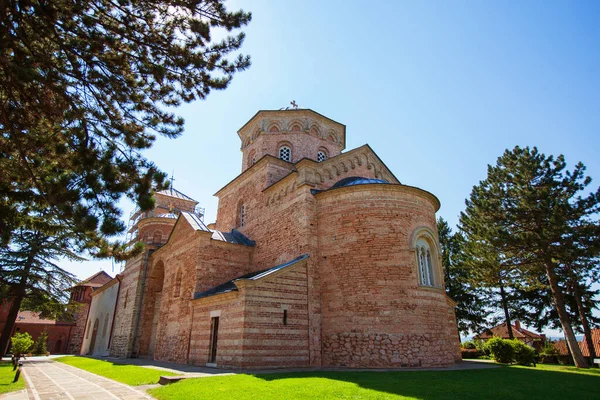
(94, 334)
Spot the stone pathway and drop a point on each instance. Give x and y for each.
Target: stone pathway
(49, 380)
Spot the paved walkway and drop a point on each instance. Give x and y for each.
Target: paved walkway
(49, 380)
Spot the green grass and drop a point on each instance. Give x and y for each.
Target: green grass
(128, 374)
(6, 379)
(544, 382)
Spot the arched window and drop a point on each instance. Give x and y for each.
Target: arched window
(285, 153)
(177, 285)
(126, 296)
(321, 156)
(157, 238)
(425, 263)
(242, 215)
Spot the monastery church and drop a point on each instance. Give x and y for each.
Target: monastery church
(318, 257)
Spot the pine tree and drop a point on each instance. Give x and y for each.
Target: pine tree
(531, 212)
(29, 270)
(471, 308)
(85, 87)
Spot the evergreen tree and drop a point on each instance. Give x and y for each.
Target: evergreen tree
(531, 212)
(29, 269)
(85, 87)
(471, 308)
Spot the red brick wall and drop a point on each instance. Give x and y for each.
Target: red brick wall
(267, 341)
(230, 309)
(375, 314)
(203, 263)
(58, 335)
(303, 145)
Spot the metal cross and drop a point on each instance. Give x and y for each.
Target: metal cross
(172, 179)
(293, 103)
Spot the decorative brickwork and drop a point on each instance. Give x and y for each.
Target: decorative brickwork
(323, 271)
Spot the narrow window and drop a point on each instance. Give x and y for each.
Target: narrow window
(177, 285)
(285, 153)
(425, 263)
(242, 215)
(285, 317)
(126, 296)
(321, 156)
(157, 238)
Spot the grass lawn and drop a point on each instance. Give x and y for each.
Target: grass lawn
(6, 378)
(128, 374)
(544, 382)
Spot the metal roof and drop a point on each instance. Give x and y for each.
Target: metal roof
(231, 287)
(351, 181)
(234, 236)
(176, 194)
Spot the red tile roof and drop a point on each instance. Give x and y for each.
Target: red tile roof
(32, 317)
(563, 350)
(502, 331)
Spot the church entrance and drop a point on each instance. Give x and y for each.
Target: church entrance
(214, 334)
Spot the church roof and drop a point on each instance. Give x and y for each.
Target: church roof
(351, 181)
(96, 280)
(235, 236)
(176, 194)
(253, 276)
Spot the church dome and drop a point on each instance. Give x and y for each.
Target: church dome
(356, 180)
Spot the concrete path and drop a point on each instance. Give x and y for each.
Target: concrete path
(50, 380)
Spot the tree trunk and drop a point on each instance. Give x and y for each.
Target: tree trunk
(565, 321)
(584, 322)
(18, 295)
(506, 313)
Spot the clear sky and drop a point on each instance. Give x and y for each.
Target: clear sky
(438, 89)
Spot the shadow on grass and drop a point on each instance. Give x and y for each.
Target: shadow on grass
(506, 382)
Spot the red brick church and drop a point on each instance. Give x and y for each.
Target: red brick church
(318, 257)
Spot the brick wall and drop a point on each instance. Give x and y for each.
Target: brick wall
(202, 264)
(229, 307)
(267, 341)
(375, 313)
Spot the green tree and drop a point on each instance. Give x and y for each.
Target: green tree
(29, 269)
(40, 347)
(21, 343)
(533, 214)
(471, 308)
(86, 86)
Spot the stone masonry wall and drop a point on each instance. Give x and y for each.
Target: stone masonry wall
(121, 344)
(375, 313)
(79, 329)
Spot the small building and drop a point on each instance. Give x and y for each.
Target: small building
(100, 319)
(532, 339)
(81, 294)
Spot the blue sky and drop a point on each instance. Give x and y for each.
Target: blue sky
(438, 89)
